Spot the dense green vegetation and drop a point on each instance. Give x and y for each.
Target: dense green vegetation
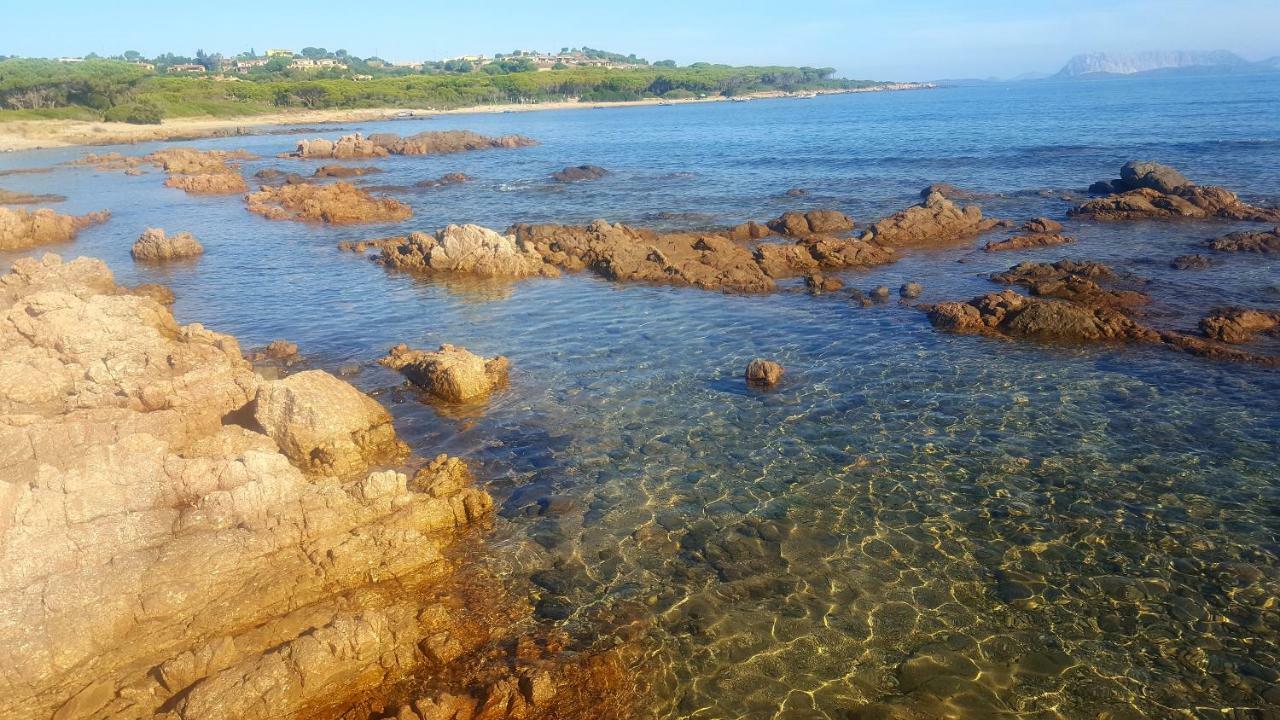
(117, 90)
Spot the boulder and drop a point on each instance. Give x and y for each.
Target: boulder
(1079, 281)
(464, 250)
(159, 293)
(763, 373)
(750, 230)
(879, 293)
(1151, 191)
(817, 283)
(325, 425)
(21, 229)
(797, 192)
(155, 246)
(951, 192)
(935, 222)
(910, 290)
(801, 224)
(1239, 325)
(1194, 261)
(1161, 178)
(452, 374)
(579, 173)
(281, 351)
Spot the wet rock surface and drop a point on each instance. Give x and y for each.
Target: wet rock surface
(1239, 325)
(1040, 232)
(30, 228)
(579, 173)
(155, 246)
(1078, 281)
(1194, 261)
(764, 373)
(1265, 241)
(1150, 191)
(463, 250)
(339, 204)
(453, 178)
(812, 222)
(452, 374)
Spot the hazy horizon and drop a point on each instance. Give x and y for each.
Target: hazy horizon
(922, 41)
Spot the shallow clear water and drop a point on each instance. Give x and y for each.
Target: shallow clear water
(955, 525)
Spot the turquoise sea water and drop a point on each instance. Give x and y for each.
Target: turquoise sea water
(912, 522)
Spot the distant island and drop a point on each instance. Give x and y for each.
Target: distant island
(130, 88)
(1147, 62)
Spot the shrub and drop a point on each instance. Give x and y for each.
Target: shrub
(135, 113)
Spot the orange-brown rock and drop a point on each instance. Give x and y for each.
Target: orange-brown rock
(21, 229)
(185, 540)
(820, 252)
(155, 246)
(1239, 325)
(1010, 314)
(625, 254)
(1040, 232)
(202, 172)
(347, 147)
(452, 374)
(339, 204)
(443, 142)
(9, 197)
(813, 222)
(1188, 202)
(344, 171)
(162, 294)
(1265, 241)
(463, 250)
(1072, 280)
(819, 284)
(936, 221)
(750, 230)
(765, 373)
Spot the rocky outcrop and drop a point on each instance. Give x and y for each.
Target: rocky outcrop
(339, 204)
(1239, 325)
(185, 540)
(155, 246)
(1194, 261)
(453, 178)
(935, 222)
(347, 147)
(202, 172)
(763, 373)
(1040, 232)
(452, 374)
(447, 142)
(813, 222)
(20, 229)
(9, 197)
(1150, 191)
(1009, 314)
(1266, 241)
(1078, 281)
(464, 250)
(579, 173)
(626, 254)
(750, 230)
(344, 171)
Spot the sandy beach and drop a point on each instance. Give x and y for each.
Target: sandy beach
(35, 134)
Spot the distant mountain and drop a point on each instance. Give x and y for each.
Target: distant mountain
(1134, 63)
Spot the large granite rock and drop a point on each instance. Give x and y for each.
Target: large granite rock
(936, 221)
(162, 557)
(20, 229)
(155, 246)
(464, 250)
(452, 374)
(338, 204)
(1151, 191)
(813, 222)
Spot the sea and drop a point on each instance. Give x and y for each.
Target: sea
(913, 524)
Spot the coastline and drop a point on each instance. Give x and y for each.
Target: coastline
(23, 135)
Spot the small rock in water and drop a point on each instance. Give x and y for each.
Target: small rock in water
(1194, 261)
(817, 283)
(880, 293)
(765, 373)
(911, 290)
(348, 369)
(797, 192)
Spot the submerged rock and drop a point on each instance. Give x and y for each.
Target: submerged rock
(1265, 241)
(9, 197)
(951, 192)
(910, 290)
(1072, 280)
(1239, 325)
(1040, 232)
(1194, 261)
(452, 374)
(20, 229)
(579, 173)
(339, 203)
(935, 222)
(464, 250)
(344, 171)
(1150, 191)
(155, 246)
(453, 178)
(764, 373)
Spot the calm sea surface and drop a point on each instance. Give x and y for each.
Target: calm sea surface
(913, 522)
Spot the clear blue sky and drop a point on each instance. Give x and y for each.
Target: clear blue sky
(881, 39)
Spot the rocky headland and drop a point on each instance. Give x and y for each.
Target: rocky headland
(183, 539)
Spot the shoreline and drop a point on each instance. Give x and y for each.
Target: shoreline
(21, 135)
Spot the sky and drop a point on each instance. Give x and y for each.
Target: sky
(877, 40)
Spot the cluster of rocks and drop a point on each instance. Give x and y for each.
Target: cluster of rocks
(339, 204)
(1040, 232)
(1239, 325)
(579, 173)
(202, 172)
(451, 374)
(155, 246)
(187, 540)
(355, 146)
(1151, 191)
(21, 229)
(1078, 281)
(1265, 241)
(935, 222)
